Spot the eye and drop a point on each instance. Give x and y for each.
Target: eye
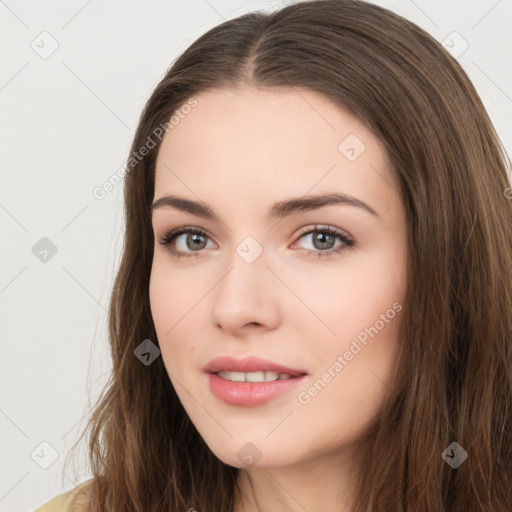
(195, 239)
(324, 239)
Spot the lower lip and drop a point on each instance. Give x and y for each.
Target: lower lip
(248, 394)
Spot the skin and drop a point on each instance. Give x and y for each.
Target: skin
(239, 151)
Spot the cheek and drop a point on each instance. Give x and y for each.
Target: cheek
(175, 308)
(171, 293)
(359, 306)
(352, 296)
(164, 298)
(367, 327)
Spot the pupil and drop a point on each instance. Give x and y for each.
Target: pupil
(195, 238)
(320, 237)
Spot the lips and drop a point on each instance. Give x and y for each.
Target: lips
(249, 364)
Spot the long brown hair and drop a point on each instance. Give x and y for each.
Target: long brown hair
(453, 381)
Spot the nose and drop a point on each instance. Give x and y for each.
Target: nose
(246, 296)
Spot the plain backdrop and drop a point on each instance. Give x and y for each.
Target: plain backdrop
(74, 78)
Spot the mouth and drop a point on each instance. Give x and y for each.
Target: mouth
(251, 369)
(251, 393)
(259, 376)
(250, 381)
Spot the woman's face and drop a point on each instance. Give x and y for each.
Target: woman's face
(259, 281)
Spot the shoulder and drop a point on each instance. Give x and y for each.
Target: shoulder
(62, 502)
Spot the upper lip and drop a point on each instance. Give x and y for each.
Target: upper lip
(248, 364)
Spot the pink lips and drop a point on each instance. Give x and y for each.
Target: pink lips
(249, 364)
(248, 394)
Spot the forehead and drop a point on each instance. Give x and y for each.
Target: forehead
(256, 144)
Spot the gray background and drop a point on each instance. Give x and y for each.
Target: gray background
(67, 123)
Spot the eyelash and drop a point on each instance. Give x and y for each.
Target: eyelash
(348, 242)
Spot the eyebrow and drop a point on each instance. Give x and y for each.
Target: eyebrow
(277, 210)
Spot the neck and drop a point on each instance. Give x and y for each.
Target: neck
(325, 484)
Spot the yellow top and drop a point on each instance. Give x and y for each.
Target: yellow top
(62, 502)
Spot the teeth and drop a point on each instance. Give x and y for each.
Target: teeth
(253, 376)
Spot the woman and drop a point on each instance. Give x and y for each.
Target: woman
(348, 200)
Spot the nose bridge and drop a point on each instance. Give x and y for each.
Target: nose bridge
(245, 293)
(247, 264)
(249, 250)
